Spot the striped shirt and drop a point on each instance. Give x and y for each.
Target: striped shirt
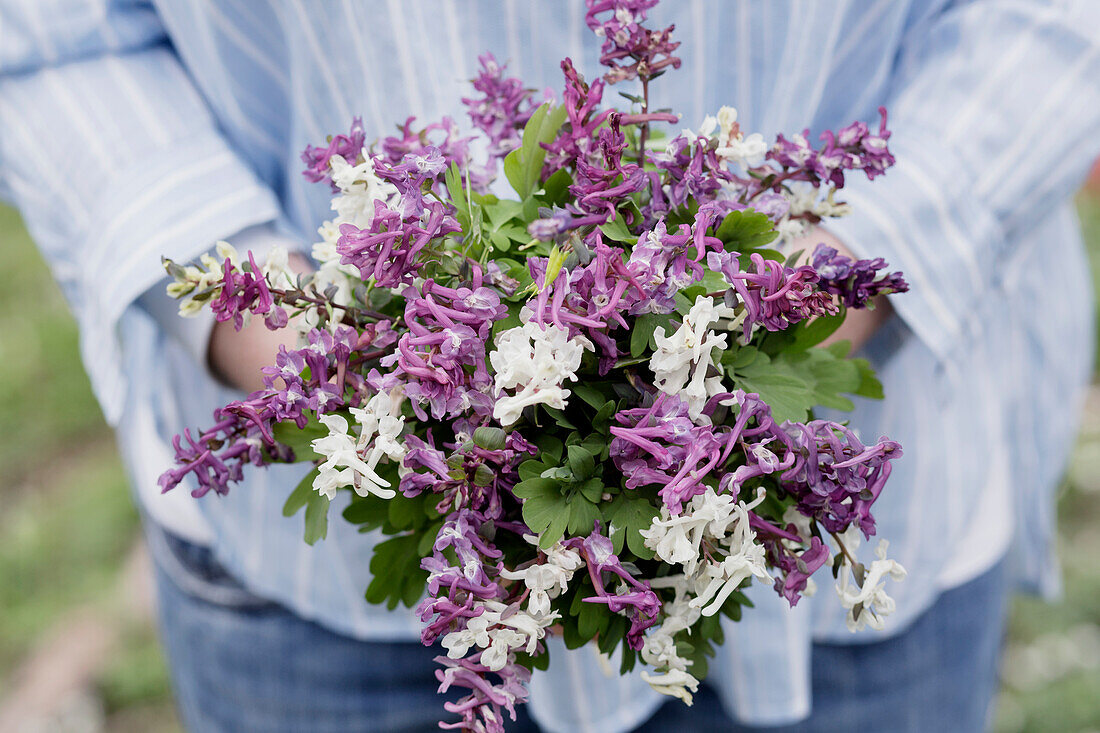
(133, 129)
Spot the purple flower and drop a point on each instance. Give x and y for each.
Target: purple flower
(632, 597)
(245, 291)
(854, 282)
(482, 709)
(347, 146)
(851, 148)
(774, 296)
(502, 110)
(575, 140)
(630, 49)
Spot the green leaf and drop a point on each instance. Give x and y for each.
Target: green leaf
(545, 508)
(592, 396)
(746, 229)
(369, 511)
(298, 439)
(629, 516)
(427, 539)
(404, 513)
(602, 420)
(556, 188)
(300, 496)
(489, 437)
(583, 515)
(559, 417)
(616, 230)
(523, 166)
(644, 328)
(581, 462)
(592, 619)
(453, 179)
(869, 386)
(592, 489)
(550, 448)
(396, 573)
(503, 211)
(316, 518)
(513, 170)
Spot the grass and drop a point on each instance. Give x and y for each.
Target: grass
(66, 524)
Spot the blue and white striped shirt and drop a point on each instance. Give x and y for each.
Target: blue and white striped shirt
(133, 129)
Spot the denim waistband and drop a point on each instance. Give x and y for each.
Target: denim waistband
(195, 570)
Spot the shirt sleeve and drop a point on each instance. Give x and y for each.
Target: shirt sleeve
(113, 159)
(995, 112)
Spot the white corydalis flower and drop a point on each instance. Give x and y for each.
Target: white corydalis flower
(675, 683)
(499, 632)
(722, 522)
(659, 647)
(359, 188)
(682, 360)
(535, 360)
(734, 146)
(546, 581)
(867, 603)
(353, 460)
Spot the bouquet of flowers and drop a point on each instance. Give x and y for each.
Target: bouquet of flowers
(585, 409)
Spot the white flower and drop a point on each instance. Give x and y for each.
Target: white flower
(734, 146)
(499, 633)
(869, 604)
(343, 465)
(547, 580)
(276, 269)
(723, 579)
(682, 360)
(536, 359)
(791, 229)
(675, 682)
(330, 270)
(359, 188)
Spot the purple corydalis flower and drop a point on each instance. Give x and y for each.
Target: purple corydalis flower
(795, 566)
(629, 49)
(502, 110)
(482, 710)
(851, 148)
(854, 282)
(246, 291)
(390, 250)
(575, 140)
(774, 296)
(633, 597)
(348, 146)
(242, 433)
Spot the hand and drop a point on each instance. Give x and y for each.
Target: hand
(236, 357)
(859, 325)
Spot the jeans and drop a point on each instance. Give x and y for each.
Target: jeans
(242, 664)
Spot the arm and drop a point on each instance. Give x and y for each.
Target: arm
(996, 112)
(113, 159)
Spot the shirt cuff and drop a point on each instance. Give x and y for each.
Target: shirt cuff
(924, 220)
(176, 204)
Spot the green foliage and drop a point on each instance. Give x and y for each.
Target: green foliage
(523, 166)
(641, 337)
(396, 573)
(299, 440)
(746, 229)
(793, 383)
(628, 516)
(316, 518)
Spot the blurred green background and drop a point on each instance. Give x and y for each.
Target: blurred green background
(76, 635)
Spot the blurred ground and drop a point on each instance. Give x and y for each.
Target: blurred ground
(77, 648)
